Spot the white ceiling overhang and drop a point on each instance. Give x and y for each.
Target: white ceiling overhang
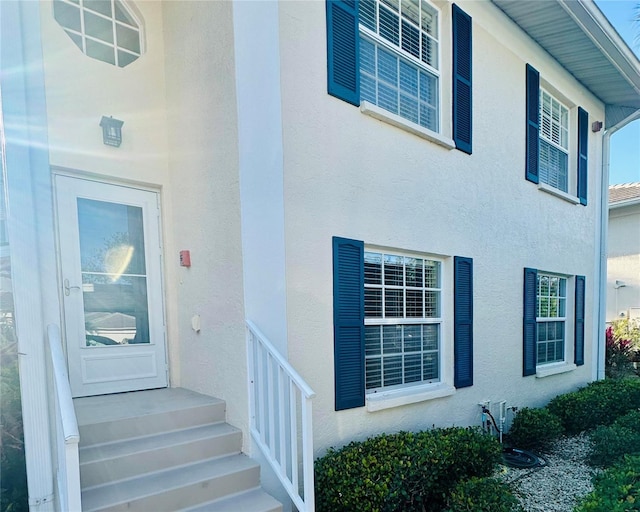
(581, 39)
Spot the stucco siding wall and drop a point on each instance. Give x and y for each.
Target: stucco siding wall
(203, 163)
(623, 263)
(349, 175)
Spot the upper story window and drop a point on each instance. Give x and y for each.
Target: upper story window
(399, 58)
(556, 155)
(385, 57)
(105, 30)
(554, 142)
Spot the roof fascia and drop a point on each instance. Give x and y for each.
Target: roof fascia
(598, 28)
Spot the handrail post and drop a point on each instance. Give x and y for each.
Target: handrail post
(273, 399)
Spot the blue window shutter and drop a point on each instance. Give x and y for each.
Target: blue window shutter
(348, 322)
(343, 50)
(462, 76)
(533, 124)
(530, 328)
(579, 321)
(583, 150)
(463, 322)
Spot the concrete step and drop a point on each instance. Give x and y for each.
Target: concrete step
(108, 462)
(176, 488)
(253, 500)
(110, 418)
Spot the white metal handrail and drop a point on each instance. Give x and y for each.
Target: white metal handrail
(67, 435)
(281, 418)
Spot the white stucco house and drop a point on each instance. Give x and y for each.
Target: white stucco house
(337, 218)
(623, 261)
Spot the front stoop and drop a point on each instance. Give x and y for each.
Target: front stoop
(164, 450)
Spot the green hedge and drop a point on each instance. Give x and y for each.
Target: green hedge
(615, 490)
(600, 403)
(404, 471)
(534, 429)
(483, 495)
(611, 443)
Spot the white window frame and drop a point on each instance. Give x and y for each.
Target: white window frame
(405, 320)
(541, 320)
(82, 34)
(548, 139)
(395, 118)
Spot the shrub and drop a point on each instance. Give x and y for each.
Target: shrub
(483, 495)
(615, 490)
(403, 471)
(610, 444)
(622, 346)
(600, 403)
(534, 428)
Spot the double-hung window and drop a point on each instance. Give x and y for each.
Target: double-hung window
(551, 159)
(553, 322)
(551, 318)
(399, 58)
(385, 56)
(390, 342)
(402, 301)
(554, 142)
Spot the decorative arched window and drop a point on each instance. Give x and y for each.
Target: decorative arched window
(106, 30)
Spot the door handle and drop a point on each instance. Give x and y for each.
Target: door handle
(67, 288)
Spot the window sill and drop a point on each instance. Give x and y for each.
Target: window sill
(384, 115)
(554, 369)
(558, 193)
(406, 396)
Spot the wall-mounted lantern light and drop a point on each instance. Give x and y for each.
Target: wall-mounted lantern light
(111, 131)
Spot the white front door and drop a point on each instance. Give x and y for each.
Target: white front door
(110, 258)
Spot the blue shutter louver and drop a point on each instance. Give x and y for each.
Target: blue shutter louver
(533, 124)
(583, 150)
(348, 322)
(343, 50)
(579, 321)
(462, 76)
(463, 322)
(530, 330)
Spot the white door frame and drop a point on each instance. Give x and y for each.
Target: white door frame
(104, 369)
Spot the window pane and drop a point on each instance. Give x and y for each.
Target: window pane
(432, 274)
(124, 58)
(372, 302)
(412, 338)
(373, 369)
(432, 304)
(430, 367)
(115, 310)
(410, 39)
(123, 16)
(128, 38)
(393, 270)
(372, 341)
(389, 28)
(414, 304)
(101, 6)
(409, 79)
(413, 367)
(100, 51)
(98, 27)
(393, 303)
(367, 12)
(372, 268)
(430, 334)
(392, 370)
(411, 10)
(391, 339)
(67, 15)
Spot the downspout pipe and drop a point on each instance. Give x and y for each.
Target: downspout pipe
(602, 249)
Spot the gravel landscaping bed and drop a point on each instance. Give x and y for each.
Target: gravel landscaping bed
(559, 483)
